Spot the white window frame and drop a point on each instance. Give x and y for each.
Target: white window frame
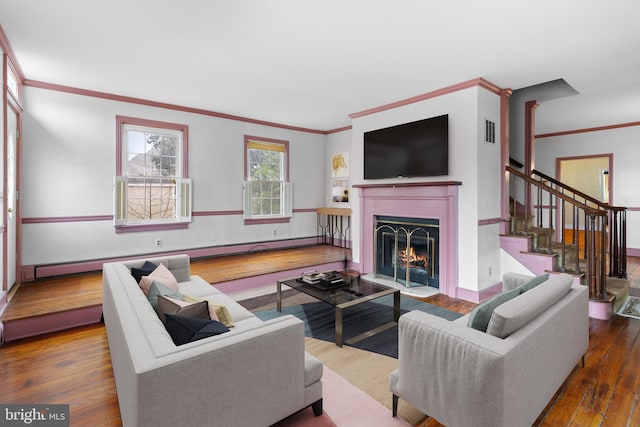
(183, 192)
(249, 185)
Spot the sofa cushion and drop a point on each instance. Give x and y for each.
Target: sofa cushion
(146, 269)
(216, 310)
(158, 289)
(481, 314)
(160, 275)
(168, 305)
(188, 329)
(514, 314)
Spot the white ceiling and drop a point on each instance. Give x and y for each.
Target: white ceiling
(312, 63)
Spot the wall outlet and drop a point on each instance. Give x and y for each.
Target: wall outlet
(158, 243)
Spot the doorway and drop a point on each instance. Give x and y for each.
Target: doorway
(10, 198)
(10, 170)
(591, 175)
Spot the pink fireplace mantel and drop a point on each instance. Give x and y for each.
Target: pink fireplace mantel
(431, 200)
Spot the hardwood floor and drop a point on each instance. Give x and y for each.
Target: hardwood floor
(74, 367)
(69, 367)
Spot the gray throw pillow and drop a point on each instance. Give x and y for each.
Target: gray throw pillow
(481, 314)
(533, 283)
(158, 289)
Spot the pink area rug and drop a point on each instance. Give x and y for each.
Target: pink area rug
(345, 405)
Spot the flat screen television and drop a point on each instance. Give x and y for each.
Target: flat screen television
(416, 149)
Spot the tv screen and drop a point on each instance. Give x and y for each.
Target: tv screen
(415, 149)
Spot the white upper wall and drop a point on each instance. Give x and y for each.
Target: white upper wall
(68, 158)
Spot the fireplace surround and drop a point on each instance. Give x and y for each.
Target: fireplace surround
(430, 201)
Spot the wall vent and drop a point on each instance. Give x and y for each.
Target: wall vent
(489, 131)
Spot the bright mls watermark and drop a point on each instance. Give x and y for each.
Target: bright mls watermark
(34, 415)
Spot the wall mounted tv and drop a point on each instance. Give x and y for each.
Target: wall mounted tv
(415, 149)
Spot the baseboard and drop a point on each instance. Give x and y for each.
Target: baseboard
(30, 273)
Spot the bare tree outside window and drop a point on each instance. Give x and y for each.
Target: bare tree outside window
(152, 177)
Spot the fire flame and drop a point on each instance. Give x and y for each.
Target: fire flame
(413, 259)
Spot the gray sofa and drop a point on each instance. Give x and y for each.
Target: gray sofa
(254, 375)
(505, 376)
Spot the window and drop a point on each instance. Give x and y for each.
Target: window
(152, 190)
(267, 192)
(12, 84)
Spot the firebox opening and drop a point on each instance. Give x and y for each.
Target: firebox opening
(406, 250)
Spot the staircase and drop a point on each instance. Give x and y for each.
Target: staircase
(559, 229)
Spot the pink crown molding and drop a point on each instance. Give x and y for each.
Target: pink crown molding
(6, 48)
(168, 106)
(585, 130)
(429, 95)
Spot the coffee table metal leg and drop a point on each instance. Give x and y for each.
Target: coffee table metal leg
(339, 326)
(279, 296)
(396, 306)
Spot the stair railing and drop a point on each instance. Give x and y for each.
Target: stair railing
(554, 201)
(617, 221)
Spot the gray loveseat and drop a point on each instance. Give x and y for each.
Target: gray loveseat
(503, 377)
(254, 375)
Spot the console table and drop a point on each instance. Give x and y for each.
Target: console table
(334, 226)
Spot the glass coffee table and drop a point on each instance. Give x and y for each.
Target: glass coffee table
(352, 292)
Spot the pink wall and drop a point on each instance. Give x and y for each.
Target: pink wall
(433, 200)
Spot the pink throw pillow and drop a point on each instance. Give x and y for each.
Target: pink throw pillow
(160, 275)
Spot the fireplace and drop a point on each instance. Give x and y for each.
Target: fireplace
(407, 250)
(434, 205)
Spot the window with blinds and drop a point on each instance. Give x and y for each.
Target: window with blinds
(267, 192)
(151, 187)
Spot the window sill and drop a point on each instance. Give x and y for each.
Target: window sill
(151, 227)
(272, 220)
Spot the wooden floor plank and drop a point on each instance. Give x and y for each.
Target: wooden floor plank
(69, 367)
(625, 397)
